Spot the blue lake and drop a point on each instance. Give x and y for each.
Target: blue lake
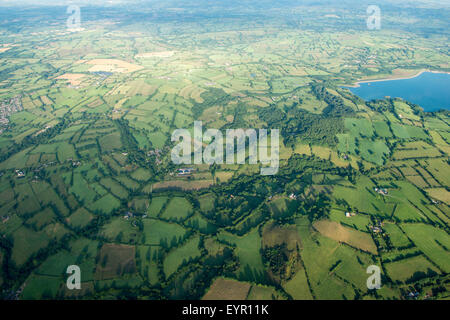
(429, 90)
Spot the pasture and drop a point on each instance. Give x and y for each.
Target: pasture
(354, 238)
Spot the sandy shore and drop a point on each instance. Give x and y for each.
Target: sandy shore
(357, 84)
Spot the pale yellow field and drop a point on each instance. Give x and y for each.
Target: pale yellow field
(227, 289)
(46, 100)
(321, 152)
(354, 238)
(112, 65)
(440, 194)
(192, 92)
(224, 176)
(74, 79)
(303, 149)
(97, 102)
(160, 54)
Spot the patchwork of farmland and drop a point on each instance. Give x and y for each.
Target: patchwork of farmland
(87, 177)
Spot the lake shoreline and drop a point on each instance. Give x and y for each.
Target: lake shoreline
(357, 84)
(428, 89)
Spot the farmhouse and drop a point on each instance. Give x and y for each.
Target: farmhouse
(128, 215)
(381, 191)
(76, 163)
(20, 174)
(376, 229)
(350, 214)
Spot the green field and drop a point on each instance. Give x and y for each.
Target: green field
(431, 241)
(26, 243)
(396, 235)
(158, 232)
(181, 255)
(177, 209)
(405, 269)
(156, 205)
(247, 249)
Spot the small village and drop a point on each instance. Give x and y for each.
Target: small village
(157, 153)
(7, 108)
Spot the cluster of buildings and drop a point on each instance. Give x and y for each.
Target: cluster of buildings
(377, 227)
(76, 164)
(185, 171)
(381, 191)
(7, 108)
(128, 215)
(157, 153)
(414, 294)
(20, 174)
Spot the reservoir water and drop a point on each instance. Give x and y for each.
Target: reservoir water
(429, 90)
